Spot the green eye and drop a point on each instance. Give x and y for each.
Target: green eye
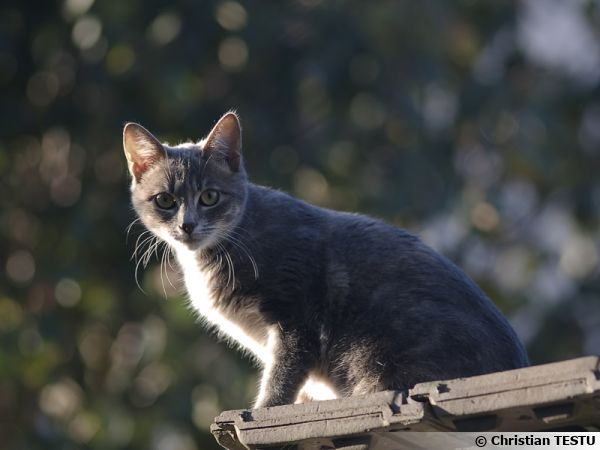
(165, 200)
(209, 197)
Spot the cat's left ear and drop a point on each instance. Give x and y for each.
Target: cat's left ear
(142, 149)
(225, 141)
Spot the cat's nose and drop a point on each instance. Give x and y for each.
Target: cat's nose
(187, 227)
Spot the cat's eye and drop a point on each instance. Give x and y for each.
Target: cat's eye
(209, 197)
(164, 200)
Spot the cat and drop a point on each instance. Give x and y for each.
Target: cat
(316, 295)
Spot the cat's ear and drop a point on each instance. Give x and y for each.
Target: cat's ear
(142, 149)
(225, 141)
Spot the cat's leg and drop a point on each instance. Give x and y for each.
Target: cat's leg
(285, 374)
(365, 371)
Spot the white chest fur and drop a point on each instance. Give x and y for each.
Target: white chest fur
(197, 283)
(203, 301)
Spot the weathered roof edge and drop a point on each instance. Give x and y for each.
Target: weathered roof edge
(535, 398)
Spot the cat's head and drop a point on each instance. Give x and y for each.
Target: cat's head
(191, 194)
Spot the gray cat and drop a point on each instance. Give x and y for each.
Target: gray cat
(321, 298)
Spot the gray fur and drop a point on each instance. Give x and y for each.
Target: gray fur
(349, 299)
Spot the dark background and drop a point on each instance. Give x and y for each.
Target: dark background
(475, 124)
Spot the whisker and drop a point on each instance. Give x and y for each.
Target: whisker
(220, 259)
(129, 228)
(242, 233)
(228, 256)
(136, 273)
(230, 267)
(145, 255)
(220, 255)
(147, 245)
(167, 259)
(223, 255)
(152, 249)
(240, 245)
(141, 235)
(144, 239)
(160, 268)
(236, 240)
(139, 245)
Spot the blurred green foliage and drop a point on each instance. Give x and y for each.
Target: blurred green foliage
(475, 124)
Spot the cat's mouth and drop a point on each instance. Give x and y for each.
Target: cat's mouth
(193, 241)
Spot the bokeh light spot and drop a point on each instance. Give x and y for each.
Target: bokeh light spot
(513, 269)
(128, 347)
(120, 59)
(231, 15)
(67, 292)
(439, 107)
(311, 185)
(61, 400)
(94, 345)
(86, 32)
(164, 28)
(84, 426)
(30, 342)
(579, 256)
(20, 266)
(54, 164)
(74, 8)
(11, 315)
(155, 337)
(167, 437)
(152, 381)
(484, 216)
(205, 406)
(233, 54)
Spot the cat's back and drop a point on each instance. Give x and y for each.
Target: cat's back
(372, 254)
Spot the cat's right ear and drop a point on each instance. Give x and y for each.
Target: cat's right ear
(142, 149)
(225, 141)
